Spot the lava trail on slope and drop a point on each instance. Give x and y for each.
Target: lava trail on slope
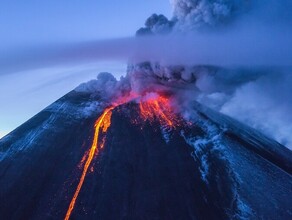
(102, 123)
(148, 163)
(152, 106)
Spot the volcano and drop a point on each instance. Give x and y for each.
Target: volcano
(81, 158)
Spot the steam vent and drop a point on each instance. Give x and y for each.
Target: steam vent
(138, 158)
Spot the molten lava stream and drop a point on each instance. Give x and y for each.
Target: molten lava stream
(158, 107)
(104, 121)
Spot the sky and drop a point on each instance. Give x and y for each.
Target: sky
(27, 23)
(52, 20)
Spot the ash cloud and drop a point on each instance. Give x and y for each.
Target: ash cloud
(194, 14)
(156, 24)
(225, 54)
(258, 97)
(209, 15)
(257, 91)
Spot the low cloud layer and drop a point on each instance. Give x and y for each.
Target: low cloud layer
(241, 47)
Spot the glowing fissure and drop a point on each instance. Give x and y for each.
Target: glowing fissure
(158, 107)
(151, 107)
(103, 123)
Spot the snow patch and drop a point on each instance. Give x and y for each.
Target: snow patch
(165, 131)
(210, 143)
(204, 145)
(30, 137)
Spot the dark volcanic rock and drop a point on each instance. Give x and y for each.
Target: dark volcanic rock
(215, 168)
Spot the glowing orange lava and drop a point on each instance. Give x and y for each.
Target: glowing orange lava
(152, 106)
(80, 165)
(103, 122)
(157, 106)
(102, 143)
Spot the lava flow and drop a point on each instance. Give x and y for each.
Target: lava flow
(158, 106)
(152, 106)
(103, 122)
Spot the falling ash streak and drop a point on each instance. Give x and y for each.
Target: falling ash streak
(103, 122)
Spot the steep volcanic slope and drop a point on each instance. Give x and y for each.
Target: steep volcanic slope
(149, 164)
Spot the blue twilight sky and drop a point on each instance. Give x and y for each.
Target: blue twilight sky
(33, 22)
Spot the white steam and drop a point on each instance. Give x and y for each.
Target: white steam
(266, 105)
(235, 33)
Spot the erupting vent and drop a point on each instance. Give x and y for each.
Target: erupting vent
(152, 106)
(140, 158)
(157, 106)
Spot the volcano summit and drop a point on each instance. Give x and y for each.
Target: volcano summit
(156, 144)
(140, 157)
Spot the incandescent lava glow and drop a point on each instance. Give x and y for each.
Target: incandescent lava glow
(155, 106)
(102, 124)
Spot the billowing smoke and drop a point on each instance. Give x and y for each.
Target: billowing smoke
(265, 104)
(227, 60)
(259, 97)
(191, 15)
(194, 14)
(255, 93)
(156, 24)
(209, 15)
